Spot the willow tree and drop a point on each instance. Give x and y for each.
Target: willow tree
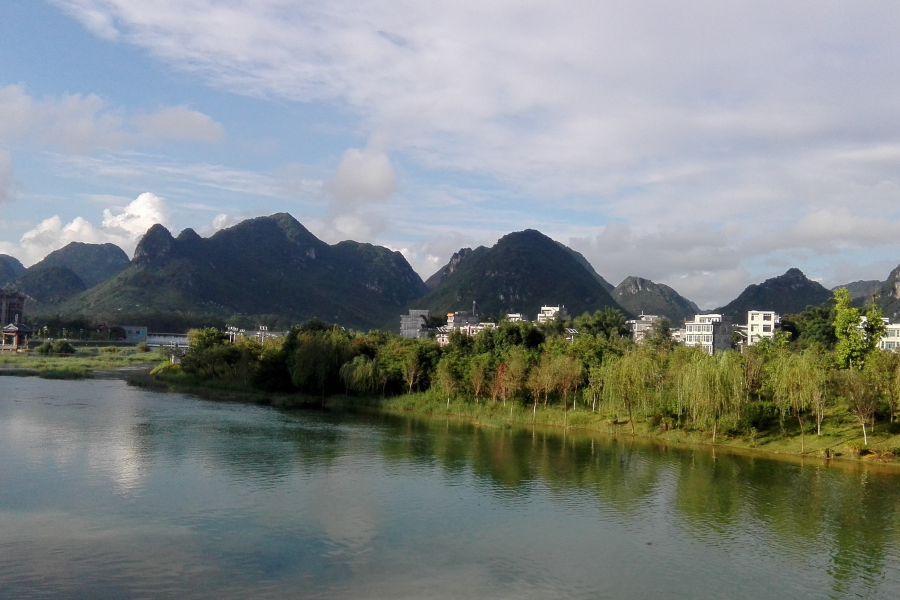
(626, 382)
(798, 386)
(360, 375)
(711, 389)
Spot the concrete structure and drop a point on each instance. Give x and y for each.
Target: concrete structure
(548, 313)
(891, 339)
(412, 326)
(261, 334)
(12, 307)
(135, 333)
(641, 327)
(470, 329)
(167, 340)
(15, 337)
(761, 324)
(710, 332)
(456, 320)
(516, 318)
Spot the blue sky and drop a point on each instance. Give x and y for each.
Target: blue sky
(701, 144)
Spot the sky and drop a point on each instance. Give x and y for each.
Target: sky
(707, 145)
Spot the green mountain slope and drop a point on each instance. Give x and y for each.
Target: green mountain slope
(578, 256)
(520, 273)
(889, 295)
(265, 268)
(862, 289)
(786, 294)
(93, 263)
(48, 286)
(10, 269)
(642, 295)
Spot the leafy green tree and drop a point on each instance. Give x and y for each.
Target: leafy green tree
(203, 339)
(360, 375)
(851, 348)
(861, 396)
(477, 374)
(446, 378)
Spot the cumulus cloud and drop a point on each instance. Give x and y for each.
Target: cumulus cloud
(122, 226)
(363, 176)
(77, 123)
(355, 194)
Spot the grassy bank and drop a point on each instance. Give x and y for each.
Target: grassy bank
(80, 365)
(841, 436)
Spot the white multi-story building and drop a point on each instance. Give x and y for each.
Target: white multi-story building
(761, 324)
(470, 329)
(548, 313)
(710, 332)
(891, 339)
(641, 327)
(515, 317)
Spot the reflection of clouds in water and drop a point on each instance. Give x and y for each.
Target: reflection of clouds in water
(106, 445)
(92, 556)
(347, 510)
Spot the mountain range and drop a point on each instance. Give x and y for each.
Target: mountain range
(272, 270)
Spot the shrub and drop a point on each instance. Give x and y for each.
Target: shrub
(63, 347)
(143, 347)
(45, 348)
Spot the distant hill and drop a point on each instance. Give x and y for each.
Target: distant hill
(862, 289)
(889, 295)
(48, 286)
(786, 294)
(520, 273)
(93, 263)
(438, 278)
(642, 295)
(263, 269)
(10, 269)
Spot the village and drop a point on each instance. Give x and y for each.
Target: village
(711, 331)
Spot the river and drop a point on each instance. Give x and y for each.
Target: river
(110, 491)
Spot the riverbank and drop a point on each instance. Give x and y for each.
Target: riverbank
(81, 365)
(841, 436)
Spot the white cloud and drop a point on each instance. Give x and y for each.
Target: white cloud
(180, 123)
(363, 176)
(123, 226)
(718, 134)
(77, 123)
(7, 181)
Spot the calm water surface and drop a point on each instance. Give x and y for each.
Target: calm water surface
(108, 491)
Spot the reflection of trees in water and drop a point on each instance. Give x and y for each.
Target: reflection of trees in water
(840, 520)
(247, 446)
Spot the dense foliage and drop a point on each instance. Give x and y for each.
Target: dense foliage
(772, 385)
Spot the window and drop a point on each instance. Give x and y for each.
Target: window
(767, 317)
(767, 329)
